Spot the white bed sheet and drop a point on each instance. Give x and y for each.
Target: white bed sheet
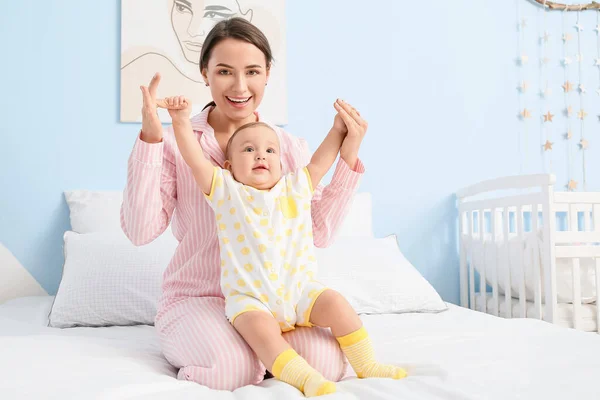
(458, 354)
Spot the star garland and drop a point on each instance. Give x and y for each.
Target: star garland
(523, 86)
(582, 113)
(568, 87)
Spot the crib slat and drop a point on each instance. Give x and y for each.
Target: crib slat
(537, 284)
(494, 221)
(520, 265)
(596, 217)
(463, 263)
(471, 266)
(482, 280)
(573, 223)
(506, 258)
(597, 291)
(576, 270)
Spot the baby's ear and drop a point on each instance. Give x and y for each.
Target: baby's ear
(227, 165)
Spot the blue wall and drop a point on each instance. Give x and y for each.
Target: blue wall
(436, 83)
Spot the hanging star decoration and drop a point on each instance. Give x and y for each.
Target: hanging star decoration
(569, 134)
(548, 117)
(546, 92)
(597, 29)
(545, 60)
(525, 114)
(523, 59)
(579, 27)
(523, 87)
(567, 61)
(572, 185)
(581, 89)
(598, 92)
(567, 86)
(582, 114)
(545, 37)
(548, 145)
(568, 111)
(523, 23)
(566, 37)
(596, 62)
(583, 143)
(579, 57)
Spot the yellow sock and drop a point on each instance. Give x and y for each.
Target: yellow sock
(358, 349)
(290, 368)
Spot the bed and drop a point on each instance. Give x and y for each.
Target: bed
(94, 338)
(455, 354)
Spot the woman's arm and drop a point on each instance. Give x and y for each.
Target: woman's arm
(150, 192)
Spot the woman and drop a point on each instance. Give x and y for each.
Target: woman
(194, 333)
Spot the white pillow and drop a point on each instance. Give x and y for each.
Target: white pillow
(108, 281)
(358, 222)
(100, 211)
(375, 277)
(94, 211)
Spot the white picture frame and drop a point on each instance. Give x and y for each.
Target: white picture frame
(165, 36)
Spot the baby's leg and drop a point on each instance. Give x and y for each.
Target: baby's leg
(327, 308)
(262, 333)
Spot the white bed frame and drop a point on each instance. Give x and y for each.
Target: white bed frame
(535, 195)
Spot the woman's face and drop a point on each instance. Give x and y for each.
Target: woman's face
(237, 74)
(193, 19)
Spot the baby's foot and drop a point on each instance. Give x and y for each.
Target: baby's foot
(317, 385)
(376, 370)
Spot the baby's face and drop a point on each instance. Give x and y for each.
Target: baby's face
(254, 158)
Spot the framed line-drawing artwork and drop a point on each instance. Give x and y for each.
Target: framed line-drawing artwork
(166, 36)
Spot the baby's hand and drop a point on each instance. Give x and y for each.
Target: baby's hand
(179, 107)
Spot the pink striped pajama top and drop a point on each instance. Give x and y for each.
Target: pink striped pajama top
(160, 190)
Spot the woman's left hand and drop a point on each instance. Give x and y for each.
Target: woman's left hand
(356, 128)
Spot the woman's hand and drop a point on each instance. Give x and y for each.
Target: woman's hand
(179, 107)
(152, 131)
(356, 128)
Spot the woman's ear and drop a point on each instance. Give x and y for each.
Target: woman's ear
(268, 73)
(204, 73)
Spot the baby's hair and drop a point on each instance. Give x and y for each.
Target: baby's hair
(241, 128)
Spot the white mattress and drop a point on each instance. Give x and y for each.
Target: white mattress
(457, 354)
(587, 318)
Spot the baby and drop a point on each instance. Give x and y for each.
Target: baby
(268, 265)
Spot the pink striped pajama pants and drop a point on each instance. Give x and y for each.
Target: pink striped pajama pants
(197, 338)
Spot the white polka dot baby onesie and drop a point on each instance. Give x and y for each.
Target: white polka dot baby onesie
(266, 245)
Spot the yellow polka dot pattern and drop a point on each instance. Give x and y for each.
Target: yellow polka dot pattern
(266, 246)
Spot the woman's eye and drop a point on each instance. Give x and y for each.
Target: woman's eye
(223, 72)
(253, 72)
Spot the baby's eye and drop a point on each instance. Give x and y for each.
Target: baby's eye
(270, 150)
(249, 149)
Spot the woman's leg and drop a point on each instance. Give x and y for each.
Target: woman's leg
(196, 337)
(332, 310)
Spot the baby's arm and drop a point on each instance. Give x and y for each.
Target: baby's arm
(323, 158)
(327, 152)
(188, 145)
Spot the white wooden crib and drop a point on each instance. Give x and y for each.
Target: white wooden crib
(546, 267)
